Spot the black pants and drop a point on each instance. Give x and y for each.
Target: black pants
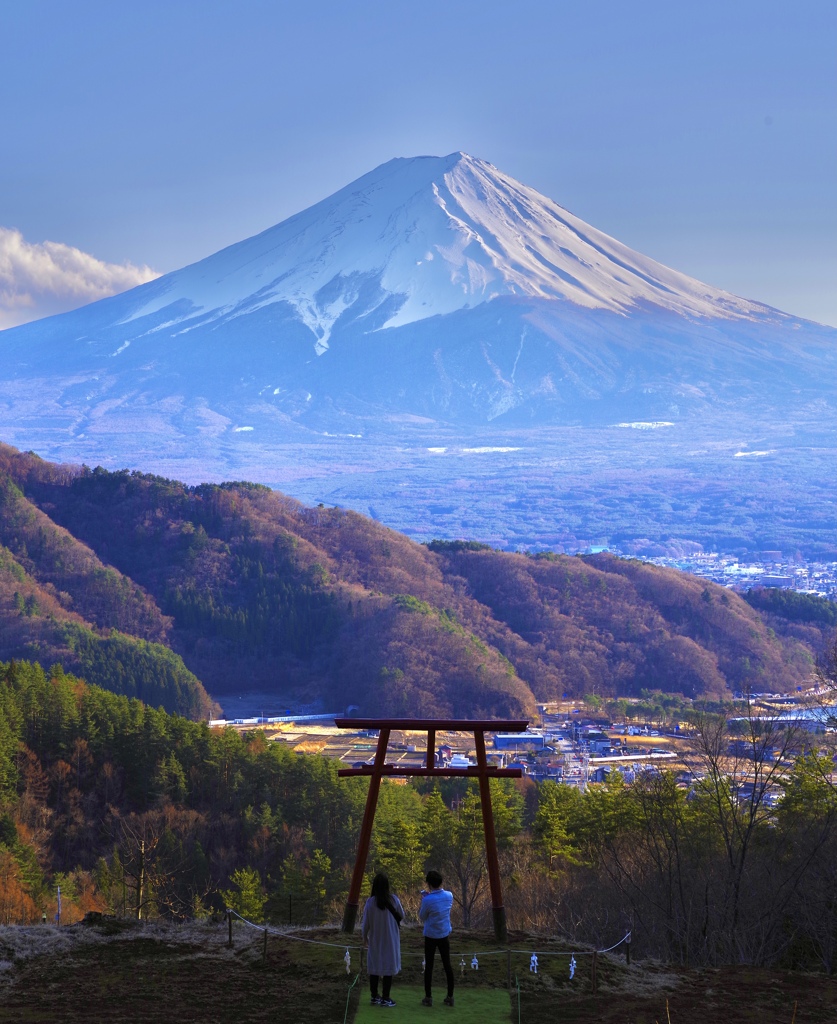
(373, 985)
(430, 947)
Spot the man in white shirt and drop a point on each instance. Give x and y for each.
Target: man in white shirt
(434, 912)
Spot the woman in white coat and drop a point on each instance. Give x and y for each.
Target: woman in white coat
(381, 931)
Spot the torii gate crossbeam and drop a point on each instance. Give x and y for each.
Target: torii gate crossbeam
(380, 769)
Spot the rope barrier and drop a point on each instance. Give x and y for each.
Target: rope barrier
(528, 952)
(582, 952)
(295, 938)
(487, 952)
(625, 938)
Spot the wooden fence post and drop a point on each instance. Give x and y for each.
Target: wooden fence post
(229, 926)
(595, 979)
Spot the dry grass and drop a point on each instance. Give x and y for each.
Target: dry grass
(158, 973)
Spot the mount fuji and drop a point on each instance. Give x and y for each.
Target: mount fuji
(433, 305)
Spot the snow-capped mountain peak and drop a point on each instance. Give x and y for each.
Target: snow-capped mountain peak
(429, 236)
(434, 291)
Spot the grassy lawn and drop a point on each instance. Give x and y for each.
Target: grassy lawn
(473, 1006)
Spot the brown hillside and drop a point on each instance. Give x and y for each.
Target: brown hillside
(31, 618)
(608, 625)
(35, 626)
(79, 580)
(256, 591)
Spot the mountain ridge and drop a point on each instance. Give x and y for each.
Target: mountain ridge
(257, 592)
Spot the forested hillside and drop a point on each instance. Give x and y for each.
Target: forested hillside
(135, 811)
(253, 590)
(139, 813)
(44, 575)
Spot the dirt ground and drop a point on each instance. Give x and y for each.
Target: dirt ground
(169, 974)
(729, 995)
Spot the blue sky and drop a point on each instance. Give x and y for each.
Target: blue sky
(703, 134)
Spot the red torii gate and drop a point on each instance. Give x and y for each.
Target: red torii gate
(482, 771)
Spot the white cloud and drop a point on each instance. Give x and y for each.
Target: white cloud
(38, 280)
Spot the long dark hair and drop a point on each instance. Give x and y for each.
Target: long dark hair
(380, 890)
(383, 897)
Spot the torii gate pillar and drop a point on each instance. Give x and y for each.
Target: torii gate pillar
(482, 771)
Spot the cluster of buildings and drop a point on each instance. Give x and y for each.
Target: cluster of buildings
(576, 751)
(565, 747)
(771, 569)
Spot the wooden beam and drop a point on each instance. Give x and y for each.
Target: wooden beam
(467, 773)
(438, 724)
